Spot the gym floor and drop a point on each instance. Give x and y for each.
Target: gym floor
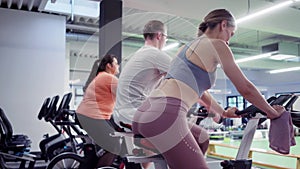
(277, 160)
(263, 144)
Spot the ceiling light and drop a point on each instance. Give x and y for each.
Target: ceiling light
(219, 91)
(262, 12)
(282, 57)
(284, 70)
(171, 46)
(254, 57)
(81, 7)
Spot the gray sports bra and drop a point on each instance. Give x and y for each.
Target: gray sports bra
(187, 72)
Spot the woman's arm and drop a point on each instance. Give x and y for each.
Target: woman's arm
(114, 84)
(212, 106)
(242, 84)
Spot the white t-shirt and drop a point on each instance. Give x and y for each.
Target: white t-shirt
(141, 74)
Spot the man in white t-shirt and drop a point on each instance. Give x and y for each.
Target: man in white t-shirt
(143, 72)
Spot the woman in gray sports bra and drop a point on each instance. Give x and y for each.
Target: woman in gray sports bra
(162, 117)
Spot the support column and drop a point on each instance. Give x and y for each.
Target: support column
(110, 28)
(110, 33)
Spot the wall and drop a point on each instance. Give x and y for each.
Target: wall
(32, 67)
(281, 82)
(271, 84)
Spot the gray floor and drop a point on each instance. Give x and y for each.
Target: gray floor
(212, 163)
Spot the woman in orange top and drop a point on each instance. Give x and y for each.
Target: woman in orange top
(97, 105)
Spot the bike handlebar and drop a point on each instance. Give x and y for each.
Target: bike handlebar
(280, 100)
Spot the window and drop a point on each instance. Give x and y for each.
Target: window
(78, 96)
(239, 102)
(296, 105)
(236, 101)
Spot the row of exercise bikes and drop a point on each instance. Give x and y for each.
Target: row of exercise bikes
(72, 148)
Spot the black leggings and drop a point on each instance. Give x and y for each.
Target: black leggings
(163, 122)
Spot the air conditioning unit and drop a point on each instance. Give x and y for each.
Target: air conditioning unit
(282, 50)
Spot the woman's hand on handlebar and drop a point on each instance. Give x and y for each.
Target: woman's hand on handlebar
(279, 109)
(230, 113)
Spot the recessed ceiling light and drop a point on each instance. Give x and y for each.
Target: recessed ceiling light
(171, 46)
(264, 11)
(282, 57)
(80, 7)
(264, 55)
(284, 70)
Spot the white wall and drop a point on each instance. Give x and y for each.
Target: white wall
(32, 67)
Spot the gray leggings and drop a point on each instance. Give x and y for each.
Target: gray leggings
(99, 130)
(163, 122)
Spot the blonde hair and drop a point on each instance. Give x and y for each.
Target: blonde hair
(215, 17)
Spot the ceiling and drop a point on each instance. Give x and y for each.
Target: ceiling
(183, 18)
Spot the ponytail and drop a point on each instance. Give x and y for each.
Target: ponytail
(202, 28)
(213, 18)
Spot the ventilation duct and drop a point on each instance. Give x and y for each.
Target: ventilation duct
(283, 51)
(282, 48)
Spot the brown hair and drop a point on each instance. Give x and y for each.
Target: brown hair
(152, 27)
(107, 59)
(213, 18)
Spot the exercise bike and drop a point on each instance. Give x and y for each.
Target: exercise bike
(89, 153)
(255, 117)
(15, 149)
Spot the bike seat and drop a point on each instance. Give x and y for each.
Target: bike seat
(10, 142)
(128, 126)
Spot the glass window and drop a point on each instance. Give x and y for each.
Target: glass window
(231, 101)
(78, 96)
